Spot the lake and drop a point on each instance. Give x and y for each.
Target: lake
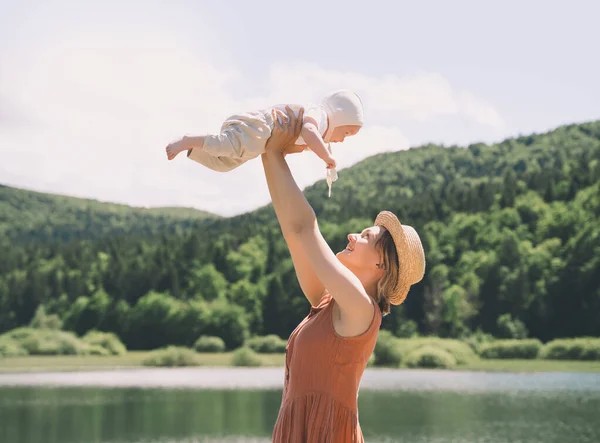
(241, 404)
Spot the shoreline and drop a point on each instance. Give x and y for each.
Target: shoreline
(134, 359)
(271, 378)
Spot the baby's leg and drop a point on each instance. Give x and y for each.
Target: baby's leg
(242, 137)
(185, 144)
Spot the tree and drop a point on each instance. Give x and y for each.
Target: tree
(206, 283)
(510, 328)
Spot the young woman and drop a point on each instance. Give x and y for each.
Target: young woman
(349, 293)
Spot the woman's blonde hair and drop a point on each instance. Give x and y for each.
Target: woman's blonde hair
(390, 263)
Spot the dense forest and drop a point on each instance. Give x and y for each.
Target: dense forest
(511, 233)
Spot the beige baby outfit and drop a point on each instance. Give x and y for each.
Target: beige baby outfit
(244, 136)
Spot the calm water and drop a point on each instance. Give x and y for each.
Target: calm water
(214, 405)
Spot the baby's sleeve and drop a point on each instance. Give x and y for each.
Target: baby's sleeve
(318, 114)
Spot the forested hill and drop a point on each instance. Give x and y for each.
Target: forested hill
(27, 216)
(511, 234)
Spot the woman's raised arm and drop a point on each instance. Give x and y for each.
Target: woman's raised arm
(298, 222)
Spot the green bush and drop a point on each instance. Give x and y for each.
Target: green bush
(268, 344)
(430, 356)
(64, 343)
(228, 321)
(386, 350)
(477, 339)
(19, 334)
(245, 356)
(49, 342)
(42, 320)
(461, 351)
(207, 343)
(106, 340)
(10, 348)
(584, 348)
(526, 349)
(171, 356)
(97, 350)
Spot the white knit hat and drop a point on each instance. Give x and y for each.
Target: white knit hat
(343, 107)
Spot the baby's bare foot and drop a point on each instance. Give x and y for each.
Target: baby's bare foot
(175, 148)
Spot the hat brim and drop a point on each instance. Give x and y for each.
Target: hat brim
(410, 255)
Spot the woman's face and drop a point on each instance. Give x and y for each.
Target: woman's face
(362, 251)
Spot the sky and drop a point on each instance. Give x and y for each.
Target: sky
(92, 92)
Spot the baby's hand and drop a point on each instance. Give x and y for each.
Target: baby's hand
(331, 163)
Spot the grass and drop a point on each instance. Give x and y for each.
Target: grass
(133, 359)
(535, 365)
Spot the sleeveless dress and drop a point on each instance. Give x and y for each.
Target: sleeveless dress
(322, 377)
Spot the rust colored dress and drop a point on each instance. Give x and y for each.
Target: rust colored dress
(322, 376)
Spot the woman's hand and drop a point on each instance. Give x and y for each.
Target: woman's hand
(286, 130)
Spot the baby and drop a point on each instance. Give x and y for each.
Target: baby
(243, 136)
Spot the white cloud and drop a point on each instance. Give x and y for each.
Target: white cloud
(103, 107)
(420, 96)
(482, 113)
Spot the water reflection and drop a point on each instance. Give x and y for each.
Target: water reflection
(547, 408)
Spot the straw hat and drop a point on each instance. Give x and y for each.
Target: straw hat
(410, 255)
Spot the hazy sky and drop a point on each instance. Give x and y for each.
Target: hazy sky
(92, 92)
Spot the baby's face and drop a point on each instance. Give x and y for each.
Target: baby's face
(341, 132)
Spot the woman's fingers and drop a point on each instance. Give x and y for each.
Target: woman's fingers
(286, 128)
(281, 120)
(299, 121)
(277, 118)
(291, 120)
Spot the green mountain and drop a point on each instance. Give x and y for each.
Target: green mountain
(511, 233)
(27, 216)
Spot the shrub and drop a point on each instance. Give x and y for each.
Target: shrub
(48, 342)
(386, 350)
(208, 343)
(19, 334)
(106, 340)
(245, 356)
(461, 351)
(477, 339)
(584, 348)
(58, 343)
(430, 356)
(527, 349)
(42, 320)
(227, 321)
(171, 356)
(268, 344)
(10, 348)
(97, 350)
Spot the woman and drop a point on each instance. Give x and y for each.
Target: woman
(349, 293)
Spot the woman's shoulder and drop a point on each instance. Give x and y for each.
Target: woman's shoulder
(372, 320)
